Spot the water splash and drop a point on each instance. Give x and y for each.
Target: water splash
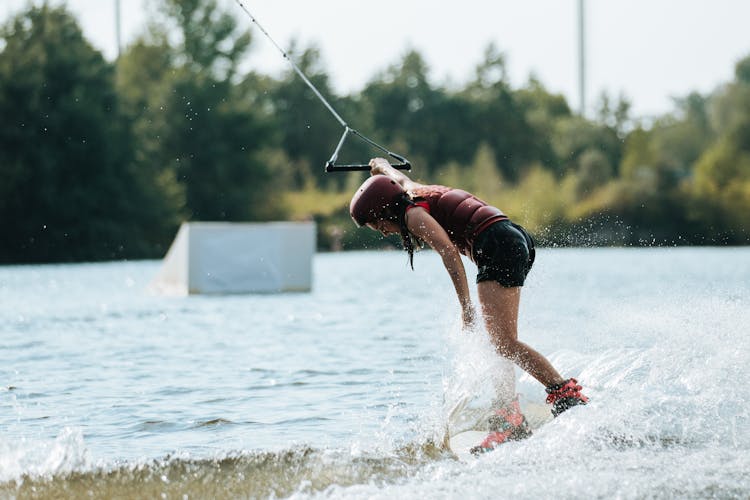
(66, 453)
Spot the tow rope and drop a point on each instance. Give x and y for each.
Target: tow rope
(331, 163)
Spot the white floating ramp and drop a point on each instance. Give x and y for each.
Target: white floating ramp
(231, 258)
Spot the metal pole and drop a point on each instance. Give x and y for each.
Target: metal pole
(117, 28)
(581, 59)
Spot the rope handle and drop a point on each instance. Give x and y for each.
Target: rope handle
(332, 167)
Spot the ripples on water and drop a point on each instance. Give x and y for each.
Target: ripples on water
(110, 392)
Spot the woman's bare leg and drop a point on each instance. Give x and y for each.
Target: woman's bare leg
(500, 311)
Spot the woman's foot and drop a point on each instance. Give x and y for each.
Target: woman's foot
(507, 424)
(565, 395)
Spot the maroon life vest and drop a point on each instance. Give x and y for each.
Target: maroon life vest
(461, 214)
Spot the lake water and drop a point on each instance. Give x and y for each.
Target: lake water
(345, 392)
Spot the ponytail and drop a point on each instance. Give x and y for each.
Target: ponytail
(407, 239)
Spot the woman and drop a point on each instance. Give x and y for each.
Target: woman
(454, 222)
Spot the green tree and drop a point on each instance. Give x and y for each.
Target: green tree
(210, 42)
(669, 150)
(143, 71)
(616, 116)
(309, 132)
(481, 176)
(210, 134)
(719, 190)
(402, 102)
(499, 118)
(573, 136)
(594, 171)
(69, 189)
(729, 110)
(542, 111)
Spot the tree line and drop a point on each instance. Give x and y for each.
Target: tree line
(102, 160)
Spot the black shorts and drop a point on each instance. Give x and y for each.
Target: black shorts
(504, 252)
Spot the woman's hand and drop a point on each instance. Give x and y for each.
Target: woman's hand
(379, 166)
(469, 317)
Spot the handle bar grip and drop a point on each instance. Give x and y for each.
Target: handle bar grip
(330, 167)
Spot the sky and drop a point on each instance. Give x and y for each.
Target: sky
(650, 51)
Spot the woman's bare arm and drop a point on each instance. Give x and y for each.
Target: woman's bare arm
(425, 227)
(380, 166)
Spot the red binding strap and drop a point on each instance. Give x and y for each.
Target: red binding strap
(570, 389)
